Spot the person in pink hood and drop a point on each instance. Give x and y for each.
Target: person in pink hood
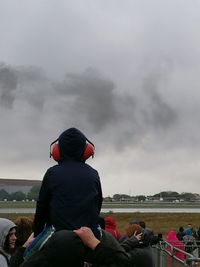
(110, 226)
(173, 240)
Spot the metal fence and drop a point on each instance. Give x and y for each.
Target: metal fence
(168, 255)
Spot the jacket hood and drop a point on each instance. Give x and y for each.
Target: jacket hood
(72, 143)
(5, 226)
(110, 222)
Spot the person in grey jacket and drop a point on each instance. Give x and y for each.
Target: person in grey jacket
(7, 241)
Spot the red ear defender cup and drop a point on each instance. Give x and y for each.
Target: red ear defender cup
(88, 152)
(55, 152)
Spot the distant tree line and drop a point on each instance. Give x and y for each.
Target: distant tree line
(19, 195)
(165, 196)
(121, 197)
(172, 194)
(162, 196)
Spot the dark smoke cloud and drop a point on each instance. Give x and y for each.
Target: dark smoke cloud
(94, 97)
(87, 100)
(158, 114)
(33, 85)
(123, 118)
(8, 85)
(27, 84)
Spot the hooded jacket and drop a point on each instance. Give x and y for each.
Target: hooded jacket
(70, 194)
(65, 248)
(5, 227)
(110, 226)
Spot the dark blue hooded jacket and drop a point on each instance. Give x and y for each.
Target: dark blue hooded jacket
(70, 194)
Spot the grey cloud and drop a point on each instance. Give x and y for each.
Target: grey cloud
(33, 85)
(31, 74)
(90, 100)
(122, 117)
(158, 113)
(8, 85)
(94, 97)
(27, 84)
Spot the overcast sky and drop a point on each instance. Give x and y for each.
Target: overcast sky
(126, 73)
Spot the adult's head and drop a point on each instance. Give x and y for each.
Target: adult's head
(134, 221)
(141, 223)
(72, 144)
(133, 229)
(24, 229)
(7, 236)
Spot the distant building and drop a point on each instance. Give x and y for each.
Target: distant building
(14, 185)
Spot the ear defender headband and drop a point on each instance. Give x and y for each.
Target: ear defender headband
(55, 150)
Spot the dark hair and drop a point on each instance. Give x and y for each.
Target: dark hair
(24, 229)
(134, 222)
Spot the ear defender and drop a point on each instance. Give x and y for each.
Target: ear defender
(88, 152)
(55, 152)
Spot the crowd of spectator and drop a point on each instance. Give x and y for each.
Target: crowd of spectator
(187, 239)
(130, 248)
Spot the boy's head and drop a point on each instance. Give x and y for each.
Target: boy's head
(72, 144)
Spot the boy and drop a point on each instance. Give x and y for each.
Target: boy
(70, 194)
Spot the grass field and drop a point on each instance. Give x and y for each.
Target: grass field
(159, 222)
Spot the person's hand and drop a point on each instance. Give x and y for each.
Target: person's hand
(87, 237)
(28, 241)
(138, 236)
